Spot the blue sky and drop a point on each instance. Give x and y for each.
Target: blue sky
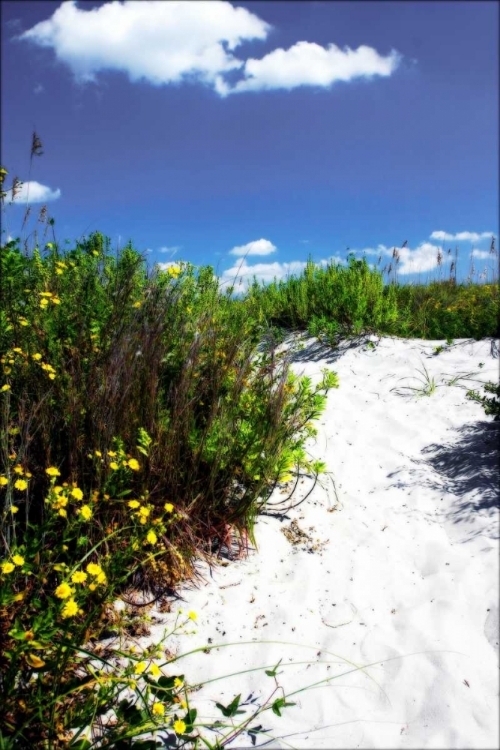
(251, 135)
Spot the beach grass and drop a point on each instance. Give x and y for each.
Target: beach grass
(146, 417)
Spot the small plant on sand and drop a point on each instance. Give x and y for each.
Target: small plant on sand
(491, 404)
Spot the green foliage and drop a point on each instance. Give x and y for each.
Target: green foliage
(491, 405)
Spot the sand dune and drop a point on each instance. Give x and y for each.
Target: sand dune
(392, 562)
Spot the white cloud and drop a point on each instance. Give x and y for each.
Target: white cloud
(257, 247)
(241, 274)
(422, 258)
(481, 254)
(161, 42)
(35, 192)
(175, 42)
(38, 89)
(460, 236)
(309, 64)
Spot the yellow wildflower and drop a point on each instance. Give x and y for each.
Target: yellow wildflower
(151, 537)
(168, 507)
(113, 465)
(5, 388)
(177, 682)
(14, 509)
(155, 670)
(192, 615)
(18, 469)
(70, 609)
(133, 464)
(98, 454)
(21, 484)
(94, 569)
(7, 567)
(63, 591)
(179, 726)
(143, 511)
(140, 667)
(112, 454)
(158, 709)
(101, 577)
(63, 513)
(85, 512)
(53, 472)
(133, 504)
(79, 577)
(3, 481)
(37, 356)
(77, 493)
(18, 560)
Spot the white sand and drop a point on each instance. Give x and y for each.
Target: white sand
(406, 573)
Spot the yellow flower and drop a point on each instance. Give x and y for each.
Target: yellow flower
(5, 388)
(7, 567)
(151, 537)
(62, 512)
(113, 465)
(140, 667)
(158, 709)
(70, 609)
(192, 615)
(179, 726)
(14, 509)
(21, 484)
(18, 560)
(112, 454)
(168, 507)
(17, 350)
(133, 504)
(79, 577)
(53, 472)
(37, 356)
(85, 512)
(94, 569)
(56, 300)
(101, 577)
(133, 463)
(52, 376)
(177, 682)
(92, 586)
(23, 321)
(63, 591)
(98, 454)
(3, 481)
(137, 304)
(155, 670)
(143, 511)
(18, 469)
(77, 493)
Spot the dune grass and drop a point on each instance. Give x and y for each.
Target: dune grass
(146, 417)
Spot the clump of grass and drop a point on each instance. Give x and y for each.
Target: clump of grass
(141, 426)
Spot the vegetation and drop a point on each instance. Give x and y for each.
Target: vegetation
(146, 416)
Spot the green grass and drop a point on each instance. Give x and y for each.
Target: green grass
(145, 419)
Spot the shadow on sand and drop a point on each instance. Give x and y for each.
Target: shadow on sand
(469, 469)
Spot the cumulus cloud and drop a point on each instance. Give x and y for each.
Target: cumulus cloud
(161, 42)
(35, 192)
(460, 236)
(241, 274)
(310, 64)
(481, 254)
(422, 258)
(177, 42)
(257, 247)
